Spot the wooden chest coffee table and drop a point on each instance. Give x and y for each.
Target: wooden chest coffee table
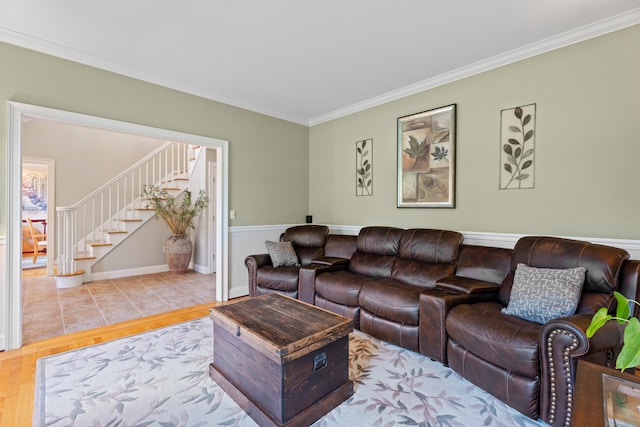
(285, 362)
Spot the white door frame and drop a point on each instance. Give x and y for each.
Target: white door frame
(17, 113)
(212, 186)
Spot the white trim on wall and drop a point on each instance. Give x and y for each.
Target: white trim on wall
(128, 272)
(3, 285)
(508, 240)
(249, 240)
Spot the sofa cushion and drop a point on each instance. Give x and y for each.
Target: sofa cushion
(308, 241)
(603, 263)
(430, 246)
(426, 255)
(521, 392)
(506, 341)
(341, 287)
(423, 274)
(281, 253)
(485, 263)
(400, 334)
(379, 240)
(340, 245)
(371, 265)
(392, 300)
(376, 251)
(307, 236)
(280, 278)
(543, 294)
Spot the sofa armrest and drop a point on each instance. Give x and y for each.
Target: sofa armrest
(307, 278)
(435, 304)
(466, 285)
(253, 263)
(562, 342)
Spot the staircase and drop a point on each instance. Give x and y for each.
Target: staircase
(90, 229)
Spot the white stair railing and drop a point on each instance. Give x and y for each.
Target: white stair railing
(66, 238)
(106, 209)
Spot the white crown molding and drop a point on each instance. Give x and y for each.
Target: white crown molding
(586, 32)
(64, 52)
(568, 38)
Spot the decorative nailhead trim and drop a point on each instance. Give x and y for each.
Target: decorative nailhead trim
(566, 368)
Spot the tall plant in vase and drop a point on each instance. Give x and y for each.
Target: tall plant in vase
(179, 216)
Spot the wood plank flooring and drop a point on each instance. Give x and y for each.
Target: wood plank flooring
(17, 367)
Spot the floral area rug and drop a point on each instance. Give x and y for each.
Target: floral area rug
(160, 378)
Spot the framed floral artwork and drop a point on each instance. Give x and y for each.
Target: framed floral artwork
(426, 159)
(517, 147)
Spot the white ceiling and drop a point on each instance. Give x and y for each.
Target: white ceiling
(303, 61)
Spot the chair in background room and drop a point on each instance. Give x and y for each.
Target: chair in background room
(38, 239)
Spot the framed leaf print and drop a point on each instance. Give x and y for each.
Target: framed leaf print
(517, 147)
(426, 159)
(364, 167)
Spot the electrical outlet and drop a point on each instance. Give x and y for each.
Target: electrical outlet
(232, 214)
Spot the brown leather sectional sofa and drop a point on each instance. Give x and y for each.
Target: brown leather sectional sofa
(427, 291)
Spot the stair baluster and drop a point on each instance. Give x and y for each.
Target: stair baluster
(86, 225)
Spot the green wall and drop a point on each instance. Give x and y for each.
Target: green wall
(268, 157)
(588, 142)
(587, 148)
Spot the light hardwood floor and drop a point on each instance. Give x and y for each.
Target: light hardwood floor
(17, 367)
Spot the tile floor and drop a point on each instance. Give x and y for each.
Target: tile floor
(49, 311)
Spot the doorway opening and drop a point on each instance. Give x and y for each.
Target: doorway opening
(19, 114)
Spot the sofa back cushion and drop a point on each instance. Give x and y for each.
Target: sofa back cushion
(308, 241)
(603, 263)
(486, 263)
(340, 245)
(426, 255)
(376, 251)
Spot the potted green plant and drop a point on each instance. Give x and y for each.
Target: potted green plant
(630, 353)
(179, 216)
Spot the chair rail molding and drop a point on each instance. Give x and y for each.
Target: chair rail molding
(248, 240)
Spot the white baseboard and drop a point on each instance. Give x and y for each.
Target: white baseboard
(202, 269)
(115, 274)
(3, 342)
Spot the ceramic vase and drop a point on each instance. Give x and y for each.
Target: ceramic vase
(177, 250)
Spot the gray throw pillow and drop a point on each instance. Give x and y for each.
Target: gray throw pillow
(282, 253)
(543, 294)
